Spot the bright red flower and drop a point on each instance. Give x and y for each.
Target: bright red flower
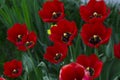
(95, 10)
(64, 33)
(56, 53)
(96, 34)
(13, 69)
(117, 50)
(91, 63)
(52, 11)
(28, 41)
(16, 33)
(2, 78)
(72, 71)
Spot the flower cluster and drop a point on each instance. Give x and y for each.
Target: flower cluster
(23, 39)
(19, 35)
(63, 32)
(93, 32)
(85, 68)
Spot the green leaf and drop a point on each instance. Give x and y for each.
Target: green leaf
(44, 69)
(110, 70)
(27, 63)
(26, 13)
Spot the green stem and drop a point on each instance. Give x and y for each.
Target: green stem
(29, 53)
(100, 77)
(108, 73)
(72, 55)
(89, 50)
(21, 78)
(96, 51)
(41, 43)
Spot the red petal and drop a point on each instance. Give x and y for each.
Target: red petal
(117, 50)
(83, 60)
(71, 71)
(98, 68)
(93, 59)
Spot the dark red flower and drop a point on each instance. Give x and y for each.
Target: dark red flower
(96, 34)
(72, 71)
(91, 63)
(52, 11)
(16, 33)
(28, 41)
(13, 69)
(117, 50)
(1, 78)
(95, 10)
(64, 33)
(56, 53)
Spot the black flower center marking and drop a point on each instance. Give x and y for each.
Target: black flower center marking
(95, 14)
(55, 15)
(29, 43)
(19, 38)
(90, 70)
(57, 56)
(95, 39)
(66, 37)
(15, 71)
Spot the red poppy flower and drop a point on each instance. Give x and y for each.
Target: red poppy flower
(52, 11)
(13, 69)
(64, 33)
(16, 33)
(2, 78)
(56, 53)
(72, 71)
(117, 50)
(96, 34)
(91, 63)
(95, 10)
(28, 41)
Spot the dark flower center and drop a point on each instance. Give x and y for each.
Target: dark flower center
(90, 70)
(19, 38)
(95, 14)
(95, 39)
(55, 15)
(57, 56)
(29, 43)
(15, 71)
(66, 37)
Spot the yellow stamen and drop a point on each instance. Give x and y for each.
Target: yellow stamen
(95, 36)
(19, 36)
(54, 13)
(53, 25)
(87, 68)
(65, 34)
(49, 32)
(95, 13)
